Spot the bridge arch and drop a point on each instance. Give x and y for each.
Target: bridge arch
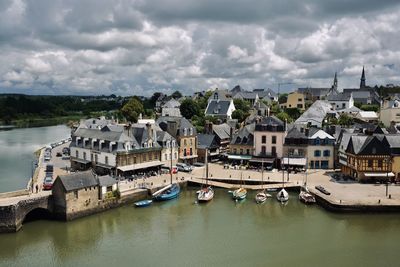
(36, 214)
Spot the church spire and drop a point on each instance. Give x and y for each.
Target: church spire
(334, 86)
(362, 82)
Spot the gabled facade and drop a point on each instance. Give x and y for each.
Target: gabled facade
(171, 108)
(295, 100)
(221, 109)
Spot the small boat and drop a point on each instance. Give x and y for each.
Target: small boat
(261, 197)
(143, 203)
(306, 197)
(206, 193)
(282, 195)
(171, 193)
(322, 189)
(239, 194)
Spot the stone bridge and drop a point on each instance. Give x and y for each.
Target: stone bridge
(13, 215)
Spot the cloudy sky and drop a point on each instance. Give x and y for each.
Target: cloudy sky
(142, 46)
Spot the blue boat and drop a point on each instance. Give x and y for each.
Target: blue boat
(170, 193)
(143, 203)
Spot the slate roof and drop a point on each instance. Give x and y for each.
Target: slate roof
(77, 181)
(205, 141)
(172, 104)
(246, 95)
(218, 107)
(106, 180)
(316, 112)
(181, 122)
(393, 140)
(236, 89)
(314, 91)
(245, 136)
(271, 120)
(222, 130)
(102, 135)
(338, 97)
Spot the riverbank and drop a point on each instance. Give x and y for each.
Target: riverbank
(40, 122)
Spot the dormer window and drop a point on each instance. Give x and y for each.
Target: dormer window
(185, 131)
(191, 131)
(168, 144)
(374, 150)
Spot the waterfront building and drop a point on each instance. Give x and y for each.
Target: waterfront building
(269, 137)
(223, 133)
(116, 149)
(207, 142)
(295, 100)
(184, 133)
(366, 157)
(169, 148)
(171, 108)
(311, 145)
(241, 148)
(75, 194)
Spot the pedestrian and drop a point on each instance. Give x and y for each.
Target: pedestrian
(37, 188)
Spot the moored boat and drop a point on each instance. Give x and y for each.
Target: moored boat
(282, 195)
(143, 203)
(170, 193)
(306, 197)
(239, 194)
(261, 197)
(206, 193)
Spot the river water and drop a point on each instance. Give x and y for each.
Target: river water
(181, 233)
(219, 233)
(16, 153)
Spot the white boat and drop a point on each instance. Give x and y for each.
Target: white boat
(305, 195)
(261, 196)
(282, 195)
(239, 194)
(206, 193)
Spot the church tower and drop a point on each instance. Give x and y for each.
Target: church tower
(334, 85)
(362, 82)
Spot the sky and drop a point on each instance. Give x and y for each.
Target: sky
(138, 47)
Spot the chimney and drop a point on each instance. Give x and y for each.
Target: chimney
(149, 131)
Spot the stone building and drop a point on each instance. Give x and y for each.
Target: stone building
(184, 133)
(171, 108)
(207, 142)
(241, 148)
(75, 195)
(116, 149)
(269, 137)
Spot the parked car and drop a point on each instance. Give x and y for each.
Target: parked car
(65, 150)
(183, 167)
(165, 169)
(48, 183)
(49, 168)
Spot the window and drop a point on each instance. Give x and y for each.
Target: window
(263, 150)
(191, 131)
(380, 163)
(343, 105)
(176, 155)
(76, 194)
(109, 188)
(106, 160)
(374, 150)
(234, 151)
(263, 139)
(191, 141)
(77, 154)
(248, 151)
(273, 151)
(317, 164)
(84, 155)
(317, 141)
(327, 153)
(134, 160)
(191, 151)
(166, 157)
(150, 156)
(299, 105)
(184, 131)
(96, 158)
(91, 157)
(144, 157)
(184, 142)
(370, 163)
(241, 151)
(273, 139)
(317, 153)
(299, 99)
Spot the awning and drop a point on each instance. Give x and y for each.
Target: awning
(83, 161)
(104, 166)
(295, 161)
(139, 166)
(240, 157)
(261, 160)
(379, 174)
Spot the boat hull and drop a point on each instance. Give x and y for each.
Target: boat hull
(260, 198)
(205, 195)
(239, 194)
(306, 198)
(171, 193)
(282, 196)
(143, 203)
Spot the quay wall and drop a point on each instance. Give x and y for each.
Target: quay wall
(346, 207)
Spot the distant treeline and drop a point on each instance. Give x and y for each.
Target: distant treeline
(15, 107)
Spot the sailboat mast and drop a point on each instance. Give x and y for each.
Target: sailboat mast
(262, 174)
(206, 166)
(171, 160)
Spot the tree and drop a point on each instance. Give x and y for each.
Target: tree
(282, 98)
(238, 115)
(132, 110)
(155, 97)
(242, 105)
(283, 116)
(345, 120)
(294, 113)
(189, 108)
(176, 94)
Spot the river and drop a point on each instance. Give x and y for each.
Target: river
(17, 149)
(219, 233)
